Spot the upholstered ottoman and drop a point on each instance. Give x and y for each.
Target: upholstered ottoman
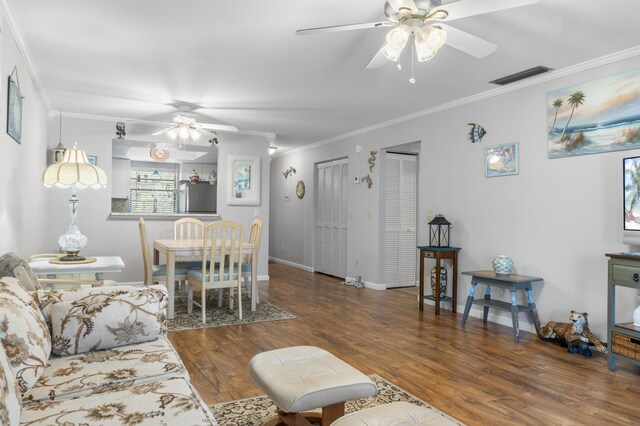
(394, 414)
(303, 378)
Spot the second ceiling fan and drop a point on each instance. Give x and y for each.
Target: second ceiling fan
(423, 19)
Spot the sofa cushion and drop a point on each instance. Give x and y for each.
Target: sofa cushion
(23, 333)
(79, 375)
(171, 401)
(152, 294)
(8, 263)
(10, 401)
(104, 320)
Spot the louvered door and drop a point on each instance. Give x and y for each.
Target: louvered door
(400, 220)
(331, 218)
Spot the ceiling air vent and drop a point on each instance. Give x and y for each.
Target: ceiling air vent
(521, 75)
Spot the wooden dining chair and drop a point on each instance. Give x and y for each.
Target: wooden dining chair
(156, 273)
(188, 228)
(222, 245)
(255, 234)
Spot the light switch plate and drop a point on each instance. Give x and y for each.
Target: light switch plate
(356, 179)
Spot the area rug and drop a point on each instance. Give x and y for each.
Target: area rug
(256, 411)
(218, 317)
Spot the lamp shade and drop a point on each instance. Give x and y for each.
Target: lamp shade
(74, 169)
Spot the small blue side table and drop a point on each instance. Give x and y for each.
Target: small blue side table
(511, 282)
(439, 253)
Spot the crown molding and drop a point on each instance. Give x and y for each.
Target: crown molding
(14, 27)
(548, 76)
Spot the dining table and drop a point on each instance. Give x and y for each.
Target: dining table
(189, 250)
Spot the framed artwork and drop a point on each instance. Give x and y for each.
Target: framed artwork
(92, 159)
(243, 180)
(597, 116)
(14, 111)
(501, 160)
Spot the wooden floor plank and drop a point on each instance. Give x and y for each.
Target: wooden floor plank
(476, 374)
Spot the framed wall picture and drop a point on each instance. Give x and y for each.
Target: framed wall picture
(243, 180)
(14, 110)
(92, 159)
(501, 160)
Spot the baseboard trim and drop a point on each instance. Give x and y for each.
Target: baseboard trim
(288, 263)
(369, 284)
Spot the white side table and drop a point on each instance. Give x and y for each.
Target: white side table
(99, 267)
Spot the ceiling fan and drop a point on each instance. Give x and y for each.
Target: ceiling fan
(423, 19)
(185, 126)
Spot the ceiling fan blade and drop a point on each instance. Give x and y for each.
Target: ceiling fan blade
(163, 131)
(222, 127)
(465, 8)
(398, 4)
(468, 43)
(378, 60)
(347, 27)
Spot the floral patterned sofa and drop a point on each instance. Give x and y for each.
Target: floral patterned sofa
(95, 356)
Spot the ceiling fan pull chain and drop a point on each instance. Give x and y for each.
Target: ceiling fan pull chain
(412, 80)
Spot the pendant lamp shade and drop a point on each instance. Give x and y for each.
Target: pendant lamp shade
(74, 169)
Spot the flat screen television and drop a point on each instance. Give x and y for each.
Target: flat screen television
(631, 200)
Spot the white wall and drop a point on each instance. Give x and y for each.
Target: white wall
(556, 219)
(22, 195)
(120, 236)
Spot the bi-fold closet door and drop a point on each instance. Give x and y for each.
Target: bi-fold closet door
(400, 220)
(331, 217)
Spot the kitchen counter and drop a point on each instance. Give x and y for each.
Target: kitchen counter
(164, 216)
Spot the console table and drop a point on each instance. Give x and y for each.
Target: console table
(439, 253)
(511, 282)
(624, 338)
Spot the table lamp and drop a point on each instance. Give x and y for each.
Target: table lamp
(74, 171)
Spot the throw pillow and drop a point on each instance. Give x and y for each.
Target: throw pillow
(10, 400)
(104, 320)
(45, 299)
(23, 333)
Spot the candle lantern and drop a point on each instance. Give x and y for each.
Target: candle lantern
(439, 229)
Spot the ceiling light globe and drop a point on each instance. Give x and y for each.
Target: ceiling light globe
(195, 135)
(436, 38)
(392, 52)
(183, 133)
(397, 36)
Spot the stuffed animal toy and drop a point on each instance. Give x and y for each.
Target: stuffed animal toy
(575, 335)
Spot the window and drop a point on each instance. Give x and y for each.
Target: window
(153, 187)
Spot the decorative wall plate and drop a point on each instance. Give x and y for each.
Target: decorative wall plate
(159, 154)
(300, 189)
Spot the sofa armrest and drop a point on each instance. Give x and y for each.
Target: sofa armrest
(153, 294)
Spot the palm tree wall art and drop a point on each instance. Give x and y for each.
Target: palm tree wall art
(597, 116)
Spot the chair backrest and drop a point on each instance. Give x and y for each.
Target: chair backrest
(224, 268)
(255, 235)
(187, 228)
(146, 261)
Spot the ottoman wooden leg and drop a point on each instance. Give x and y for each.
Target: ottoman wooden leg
(330, 413)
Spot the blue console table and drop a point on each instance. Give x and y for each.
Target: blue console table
(511, 282)
(439, 253)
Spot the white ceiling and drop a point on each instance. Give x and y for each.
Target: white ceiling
(242, 62)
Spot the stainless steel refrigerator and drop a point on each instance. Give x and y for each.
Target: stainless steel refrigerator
(198, 197)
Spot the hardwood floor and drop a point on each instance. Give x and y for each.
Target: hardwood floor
(476, 374)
